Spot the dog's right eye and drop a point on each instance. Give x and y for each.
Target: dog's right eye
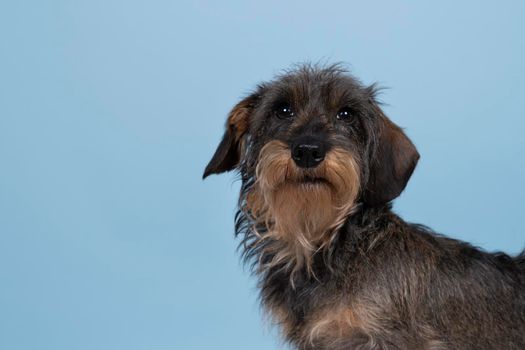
(284, 112)
(344, 113)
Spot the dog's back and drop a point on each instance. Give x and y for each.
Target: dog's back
(520, 261)
(476, 300)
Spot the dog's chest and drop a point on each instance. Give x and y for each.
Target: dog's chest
(320, 323)
(315, 314)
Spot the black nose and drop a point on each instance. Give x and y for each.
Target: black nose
(308, 152)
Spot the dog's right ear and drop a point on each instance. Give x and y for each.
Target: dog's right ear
(227, 155)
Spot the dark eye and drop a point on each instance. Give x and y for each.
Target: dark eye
(344, 113)
(284, 111)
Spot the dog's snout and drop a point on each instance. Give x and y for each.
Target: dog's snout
(308, 152)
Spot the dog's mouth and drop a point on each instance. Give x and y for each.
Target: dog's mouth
(313, 180)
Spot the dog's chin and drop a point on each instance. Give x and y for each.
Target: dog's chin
(306, 191)
(303, 205)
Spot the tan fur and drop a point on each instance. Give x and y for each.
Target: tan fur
(301, 217)
(334, 323)
(238, 119)
(331, 323)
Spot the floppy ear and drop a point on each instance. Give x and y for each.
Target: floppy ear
(392, 163)
(227, 155)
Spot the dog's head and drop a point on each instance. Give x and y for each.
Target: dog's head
(312, 144)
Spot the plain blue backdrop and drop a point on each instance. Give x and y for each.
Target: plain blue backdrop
(109, 111)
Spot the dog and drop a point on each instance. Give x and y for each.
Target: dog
(320, 164)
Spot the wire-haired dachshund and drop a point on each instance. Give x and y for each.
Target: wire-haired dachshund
(320, 164)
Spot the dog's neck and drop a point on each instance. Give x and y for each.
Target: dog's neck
(271, 252)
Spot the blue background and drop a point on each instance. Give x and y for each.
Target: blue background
(109, 111)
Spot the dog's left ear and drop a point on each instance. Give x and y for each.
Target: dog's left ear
(392, 163)
(227, 155)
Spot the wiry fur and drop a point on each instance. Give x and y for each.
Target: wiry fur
(337, 268)
(293, 230)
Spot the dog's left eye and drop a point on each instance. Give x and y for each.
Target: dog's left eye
(284, 112)
(344, 113)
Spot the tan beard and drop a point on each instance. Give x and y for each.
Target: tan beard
(301, 217)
